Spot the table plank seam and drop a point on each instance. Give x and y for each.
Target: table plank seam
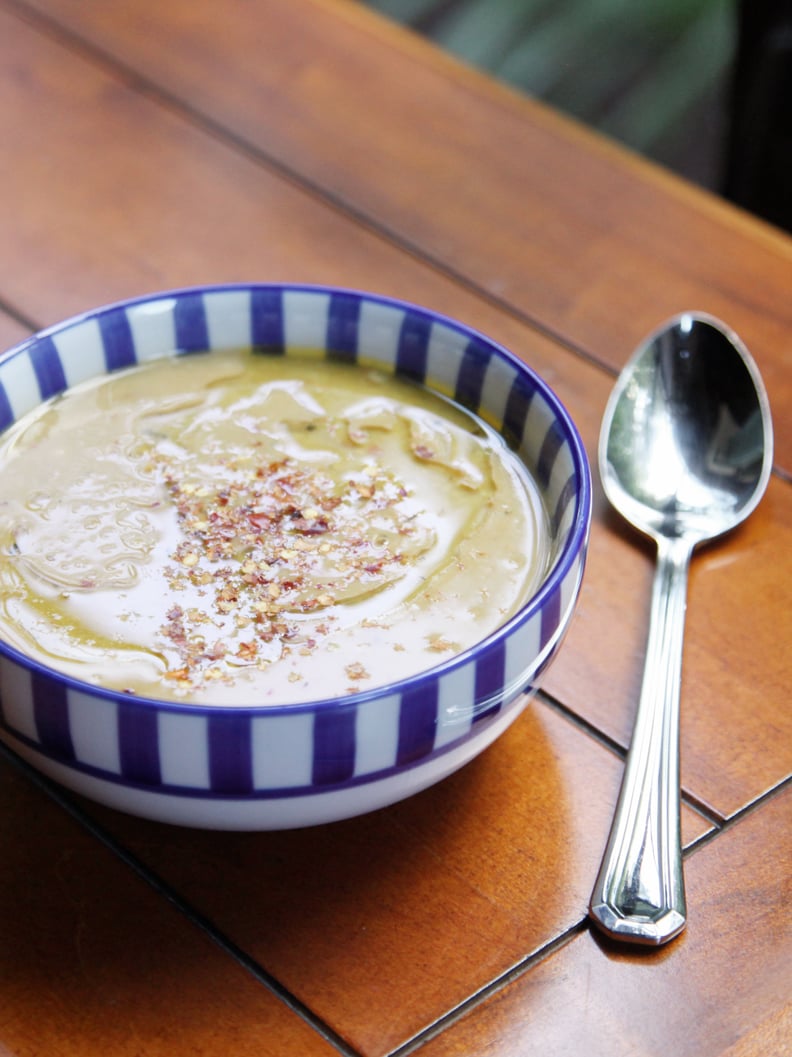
(65, 802)
(485, 993)
(199, 119)
(509, 976)
(194, 916)
(455, 923)
(159, 95)
(6, 308)
(169, 100)
(714, 818)
(741, 814)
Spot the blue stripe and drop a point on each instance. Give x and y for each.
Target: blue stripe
(51, 715)
(411, 354)
(565, 498)
(189, 318)
(6, 412)
(286, 792)
(490, 677)
(551, 618)
(417, 723)
(138, 744)
(119, 346)
(230, 754)
(470, 380)
(266, 309)
(48, 367)
(342, 327)
(334, 746)
(536, 675)
(551, 446)
(516, 412)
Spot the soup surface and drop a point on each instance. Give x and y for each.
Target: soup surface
(237, 528)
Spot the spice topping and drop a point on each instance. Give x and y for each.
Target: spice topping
(237, 528)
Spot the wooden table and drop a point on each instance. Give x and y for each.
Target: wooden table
(149, 145)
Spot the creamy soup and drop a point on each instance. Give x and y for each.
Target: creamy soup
(237, 528)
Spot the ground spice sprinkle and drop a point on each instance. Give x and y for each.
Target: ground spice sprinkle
(274, 541)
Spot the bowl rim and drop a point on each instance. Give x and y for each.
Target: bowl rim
(574, 545)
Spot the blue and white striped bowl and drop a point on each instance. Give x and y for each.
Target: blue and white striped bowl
(278, 766)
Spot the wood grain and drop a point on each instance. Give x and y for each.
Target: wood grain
(487, 183)
(154, 146)
(427, 900)
(722, 988)
(145, 199)
(93, 961)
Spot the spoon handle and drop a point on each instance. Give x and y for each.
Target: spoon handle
(639, 894)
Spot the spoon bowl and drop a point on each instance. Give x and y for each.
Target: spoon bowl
(685, 455)
(686, 441)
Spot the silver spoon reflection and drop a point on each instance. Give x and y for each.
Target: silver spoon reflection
(685, 454)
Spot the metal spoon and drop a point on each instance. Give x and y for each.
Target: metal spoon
(685, 454)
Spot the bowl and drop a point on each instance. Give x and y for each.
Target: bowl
(290, 765)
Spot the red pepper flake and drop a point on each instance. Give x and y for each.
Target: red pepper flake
(248, 547)
(311, 527)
